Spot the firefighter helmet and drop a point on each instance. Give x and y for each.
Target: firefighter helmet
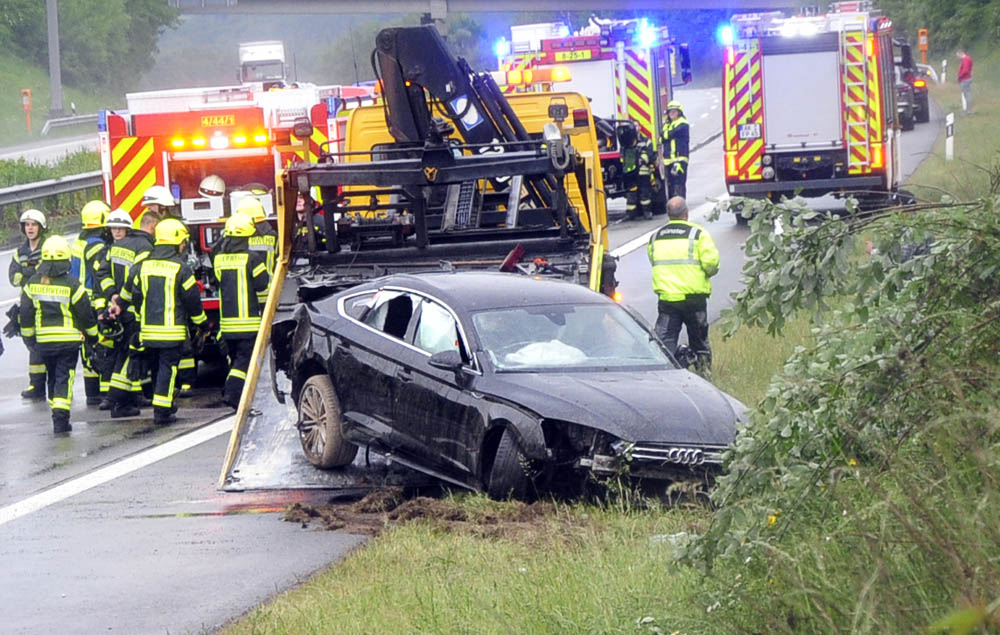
(239, 225)
(673, 104)
(94, 214)
(158, 195)
(119, 218)
(252, 207)
(33, 215)
(212, 186)
(171, 231)
(55, 248)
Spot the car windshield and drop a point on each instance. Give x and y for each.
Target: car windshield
(560, 337)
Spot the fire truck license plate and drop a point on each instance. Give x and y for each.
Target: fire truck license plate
(572, 56)
(749, 131)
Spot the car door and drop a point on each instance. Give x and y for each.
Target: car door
(366, 365)
(438, 409)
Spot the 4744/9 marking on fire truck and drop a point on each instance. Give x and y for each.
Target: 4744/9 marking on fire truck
(749, 131)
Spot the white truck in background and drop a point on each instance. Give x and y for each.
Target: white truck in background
(263, 62)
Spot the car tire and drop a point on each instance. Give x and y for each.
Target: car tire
(924, 114)
(321, 426)
(508, 477)
(906, 123)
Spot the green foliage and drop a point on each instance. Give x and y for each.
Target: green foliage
(952, 23)
(61, 210)
(107, 43)
(872, 462)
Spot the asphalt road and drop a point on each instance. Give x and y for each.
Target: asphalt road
(119, 527)
(50, 151)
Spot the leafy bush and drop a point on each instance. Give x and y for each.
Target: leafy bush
(864, 489)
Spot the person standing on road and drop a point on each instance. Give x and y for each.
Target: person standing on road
(639, 172)
(684, 257)
(22, 266)
(965, 80)
(242, 274)
(165, 294)
(56, 317)
(676, 145)
(131, 247)
(88, 250)
(265, 241)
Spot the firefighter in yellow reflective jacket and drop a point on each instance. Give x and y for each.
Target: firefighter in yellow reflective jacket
(640, 175)
(22, 266)
(676, 146)
(131, 246)
(683, 257)
(241, 274)
(164, 293)
(89, 249)
(265, 241)
(56, 317)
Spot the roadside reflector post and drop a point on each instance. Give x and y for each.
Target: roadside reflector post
(949, 136)
(944, 71)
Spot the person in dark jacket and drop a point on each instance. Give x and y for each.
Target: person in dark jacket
(241, 274)
(22, 266)
(88, 249)
(56, 317)
(131, 247)
(676, 146)
(163, 291)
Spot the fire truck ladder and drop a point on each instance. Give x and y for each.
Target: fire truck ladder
(853, 49)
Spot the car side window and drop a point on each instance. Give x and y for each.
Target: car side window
(391, 313)
(437, 331)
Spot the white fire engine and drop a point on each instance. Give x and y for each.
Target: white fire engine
(627, 68)
(809, 104)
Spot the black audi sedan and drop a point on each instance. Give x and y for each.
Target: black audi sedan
(497, 382)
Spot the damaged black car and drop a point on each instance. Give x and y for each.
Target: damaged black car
(497, 382)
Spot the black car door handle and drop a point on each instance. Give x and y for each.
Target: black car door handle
(404, 375)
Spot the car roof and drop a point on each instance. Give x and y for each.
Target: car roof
(480, 290)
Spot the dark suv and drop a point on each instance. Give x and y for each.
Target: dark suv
(908, 71)
(904, 102)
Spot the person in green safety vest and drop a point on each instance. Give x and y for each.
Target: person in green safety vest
(676, 146)
(684, 257)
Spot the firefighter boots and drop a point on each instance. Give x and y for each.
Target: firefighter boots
(34, 392)
(60, 422)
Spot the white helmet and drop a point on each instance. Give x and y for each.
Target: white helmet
(119, 218)
(158, 195)
(212, 186)
(35, 215)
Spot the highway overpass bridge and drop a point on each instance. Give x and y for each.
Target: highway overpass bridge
(439, 9)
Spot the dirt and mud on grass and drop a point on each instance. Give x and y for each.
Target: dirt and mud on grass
(386, 508)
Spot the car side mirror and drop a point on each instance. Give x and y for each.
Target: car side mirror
(446, 360)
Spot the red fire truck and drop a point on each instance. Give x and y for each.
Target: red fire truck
(628, 69)
(809, 104)
(244, 134)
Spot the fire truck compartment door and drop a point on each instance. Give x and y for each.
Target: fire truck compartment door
(595, 79)
(802, 100)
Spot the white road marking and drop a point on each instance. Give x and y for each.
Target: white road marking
(11, 301)
(714, 106)
(704, 114)
(642, 241)
(114, 470)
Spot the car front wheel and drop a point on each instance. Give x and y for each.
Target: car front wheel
(509, 477)
(320, 425)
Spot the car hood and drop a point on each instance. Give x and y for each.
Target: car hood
(662, 406)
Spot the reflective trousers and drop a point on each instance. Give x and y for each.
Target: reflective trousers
(692, 313)
(36, 371)
(164, 362)
(240, 352)
(677, 183)
(127, 378)
(61, 370)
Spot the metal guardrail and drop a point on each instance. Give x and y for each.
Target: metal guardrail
(62, 122)
(50, 187)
